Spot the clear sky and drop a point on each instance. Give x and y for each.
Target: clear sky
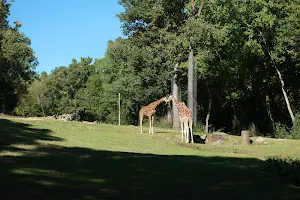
(64, 29)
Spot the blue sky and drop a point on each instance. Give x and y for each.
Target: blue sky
(64, 29)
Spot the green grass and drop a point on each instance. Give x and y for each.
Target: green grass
(50, 159)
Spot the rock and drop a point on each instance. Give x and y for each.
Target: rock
(260, 140)
(213, 138)
(220, 133)
(218, 142)
(66, 117)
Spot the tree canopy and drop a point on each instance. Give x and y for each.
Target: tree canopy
(246, 56)
(17, 60)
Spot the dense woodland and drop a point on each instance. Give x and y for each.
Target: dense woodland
(234, 62)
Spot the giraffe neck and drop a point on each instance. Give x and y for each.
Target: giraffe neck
(156, 103)
(177, 103)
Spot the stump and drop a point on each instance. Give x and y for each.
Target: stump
(245, 135)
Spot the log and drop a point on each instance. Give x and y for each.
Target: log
(245, 135)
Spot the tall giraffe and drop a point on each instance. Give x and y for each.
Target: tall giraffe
(185, 118)
(149, 111)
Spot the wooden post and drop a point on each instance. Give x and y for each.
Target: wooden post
(119, 102)
(245, 136)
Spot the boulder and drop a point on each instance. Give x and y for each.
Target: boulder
(66, 117)
(261, 140)
(214, 139)
(218, 142)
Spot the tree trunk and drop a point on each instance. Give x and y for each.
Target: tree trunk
(190, 81)
(175, 92)
(245, 136)
(268, 107)
(235, 122)
(282, 84)
(208, 114)
(195, 83)
(169, 113)
(285, 95)
(200, 9)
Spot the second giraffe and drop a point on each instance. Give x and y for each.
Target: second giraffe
(185, 118)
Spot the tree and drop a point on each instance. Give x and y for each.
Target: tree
(17, 61)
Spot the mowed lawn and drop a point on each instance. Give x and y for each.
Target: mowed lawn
(49, 159)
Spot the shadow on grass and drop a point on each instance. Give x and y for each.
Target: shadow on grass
(14, 133)
(56, 172)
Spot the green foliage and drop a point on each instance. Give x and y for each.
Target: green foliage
(34, 102)
(161, 122)
(17, 61)
(281, 130)
(284, 169)
(295, 130)
(237, 45)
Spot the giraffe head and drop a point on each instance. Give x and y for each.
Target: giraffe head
(171, 97)
(166, 98)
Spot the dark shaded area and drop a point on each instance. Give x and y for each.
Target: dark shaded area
(284, 169)
(56, 172)
(21, 133)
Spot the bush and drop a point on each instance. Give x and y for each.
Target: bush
(284, 169)
(161, 122)
(201, 127)
(281, 131)
(295, 130)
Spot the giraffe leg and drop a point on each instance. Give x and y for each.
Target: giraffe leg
(150, 118)
(181, 124)
(186, 128)
(152, 124)
(191, 130)
(141, 123)
(184, 133)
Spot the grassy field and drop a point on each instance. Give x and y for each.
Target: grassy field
(49, 159)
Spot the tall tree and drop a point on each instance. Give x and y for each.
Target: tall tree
(17, 60)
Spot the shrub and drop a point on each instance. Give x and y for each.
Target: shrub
(281, 131)
(161, 122)
(295, 130)
(201, 127)
(284, 169)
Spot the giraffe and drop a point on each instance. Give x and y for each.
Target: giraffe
(185, 118)
(149, 111)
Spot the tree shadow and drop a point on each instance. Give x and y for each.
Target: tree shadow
(67, 173)
(16, 133)
(55, 172)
